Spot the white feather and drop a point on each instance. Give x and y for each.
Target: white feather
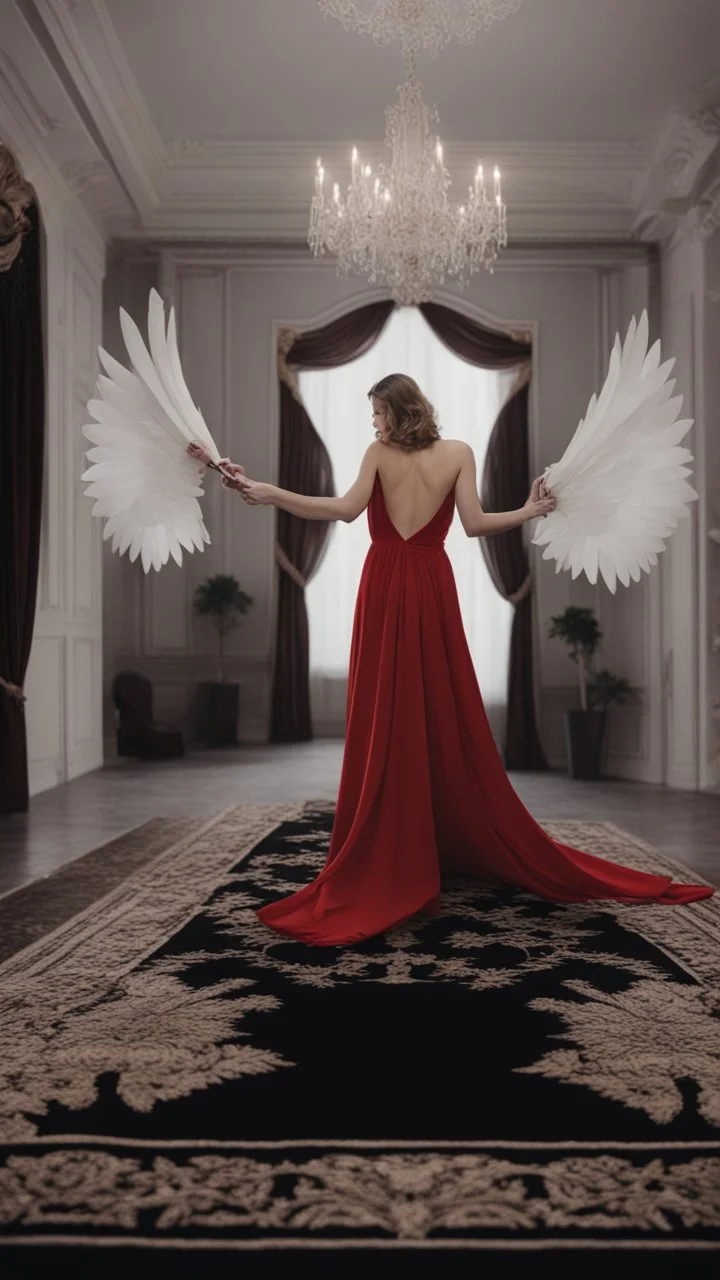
(620, 485)
(145, 485)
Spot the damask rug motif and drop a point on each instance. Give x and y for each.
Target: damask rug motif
(511, 1075)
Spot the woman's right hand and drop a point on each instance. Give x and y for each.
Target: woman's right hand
(198, 452)
(255, 492)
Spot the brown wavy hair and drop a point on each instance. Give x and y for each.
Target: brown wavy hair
(411, 419)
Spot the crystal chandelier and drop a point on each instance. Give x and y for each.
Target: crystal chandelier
(396, 226)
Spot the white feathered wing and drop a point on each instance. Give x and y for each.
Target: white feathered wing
(142, 478)
(620, 485)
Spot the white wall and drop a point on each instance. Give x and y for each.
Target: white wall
(709, 552)
(64, 677)
(229, 305)
(690, 567)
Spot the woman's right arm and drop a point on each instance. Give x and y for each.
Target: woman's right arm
(476, 522)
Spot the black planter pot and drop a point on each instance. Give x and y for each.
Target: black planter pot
(217, 708)
(584, 733)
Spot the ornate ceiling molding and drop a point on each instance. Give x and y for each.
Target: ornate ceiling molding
(41, 124)
(80, 42)
(682, 194)
(704, 216)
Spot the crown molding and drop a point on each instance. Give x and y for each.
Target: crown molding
(205, 256)
(216, 187)
(276, 223)
(38, 118)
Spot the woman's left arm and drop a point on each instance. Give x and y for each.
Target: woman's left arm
(347, 508)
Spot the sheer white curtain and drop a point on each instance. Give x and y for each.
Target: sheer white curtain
(467, 401)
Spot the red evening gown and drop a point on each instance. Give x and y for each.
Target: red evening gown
(423, 791)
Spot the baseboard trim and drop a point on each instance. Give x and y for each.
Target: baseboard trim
(44, 775)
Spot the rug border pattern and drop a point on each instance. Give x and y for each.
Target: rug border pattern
(128, 924)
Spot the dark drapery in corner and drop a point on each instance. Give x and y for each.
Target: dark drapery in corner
(504, 487)
(305, 467)
(22, 434)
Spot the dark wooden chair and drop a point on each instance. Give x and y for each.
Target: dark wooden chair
(137, 734)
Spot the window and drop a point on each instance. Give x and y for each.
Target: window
(467, 401)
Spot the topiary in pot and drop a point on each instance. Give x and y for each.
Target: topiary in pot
(605, 688)
(223, 601)
(581, 632)
(584, 729)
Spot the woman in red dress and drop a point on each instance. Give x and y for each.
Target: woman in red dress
(423, 791)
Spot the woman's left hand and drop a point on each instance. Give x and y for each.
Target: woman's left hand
(231, 470)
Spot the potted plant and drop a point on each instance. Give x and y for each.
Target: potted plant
(223, 601)
(605, 688)
(585, 728)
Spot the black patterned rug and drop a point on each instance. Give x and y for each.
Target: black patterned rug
(510, 1081)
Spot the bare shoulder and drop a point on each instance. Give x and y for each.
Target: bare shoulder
(459, 450)
(371, 456)
(456, 455)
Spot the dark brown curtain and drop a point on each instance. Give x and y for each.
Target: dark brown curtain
(504, 487)
(505, 483)
(305, 467)
(22, 431)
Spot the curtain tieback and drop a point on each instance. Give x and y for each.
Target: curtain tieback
(285, 340)
(288, 566)
(15, 196)
(13, 690)
(523, 590)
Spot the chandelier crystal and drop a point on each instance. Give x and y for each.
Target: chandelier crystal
(419, 24)
(396, 226)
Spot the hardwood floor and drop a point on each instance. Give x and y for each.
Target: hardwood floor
(73, 819)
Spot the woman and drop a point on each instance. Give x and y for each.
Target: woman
(423, 792)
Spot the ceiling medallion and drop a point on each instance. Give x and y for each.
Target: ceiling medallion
(419, 24)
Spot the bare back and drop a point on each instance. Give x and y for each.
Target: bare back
(416, 484)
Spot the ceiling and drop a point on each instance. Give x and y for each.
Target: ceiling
(557, 70)
(201, 119)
